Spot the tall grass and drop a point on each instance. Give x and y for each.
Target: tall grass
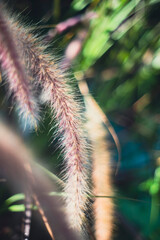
(66, 110)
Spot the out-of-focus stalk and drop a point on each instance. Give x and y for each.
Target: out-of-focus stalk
(101, 169)
(17, 166)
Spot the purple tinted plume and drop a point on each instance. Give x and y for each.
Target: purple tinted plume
(67, 112)
(13, 66)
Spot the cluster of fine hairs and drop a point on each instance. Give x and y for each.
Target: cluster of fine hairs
(35, 77)
(27, 66)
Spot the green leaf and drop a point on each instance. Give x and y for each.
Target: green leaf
(99, 41)
(61, 194)
(80, 4)
(157, 173)
(50, 174)
(145, 186)
(119, 16)
(14, 198)
(154, 189)
(17, 208)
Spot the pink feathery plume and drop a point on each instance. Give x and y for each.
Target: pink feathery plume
(67, 111)
(12, 65)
